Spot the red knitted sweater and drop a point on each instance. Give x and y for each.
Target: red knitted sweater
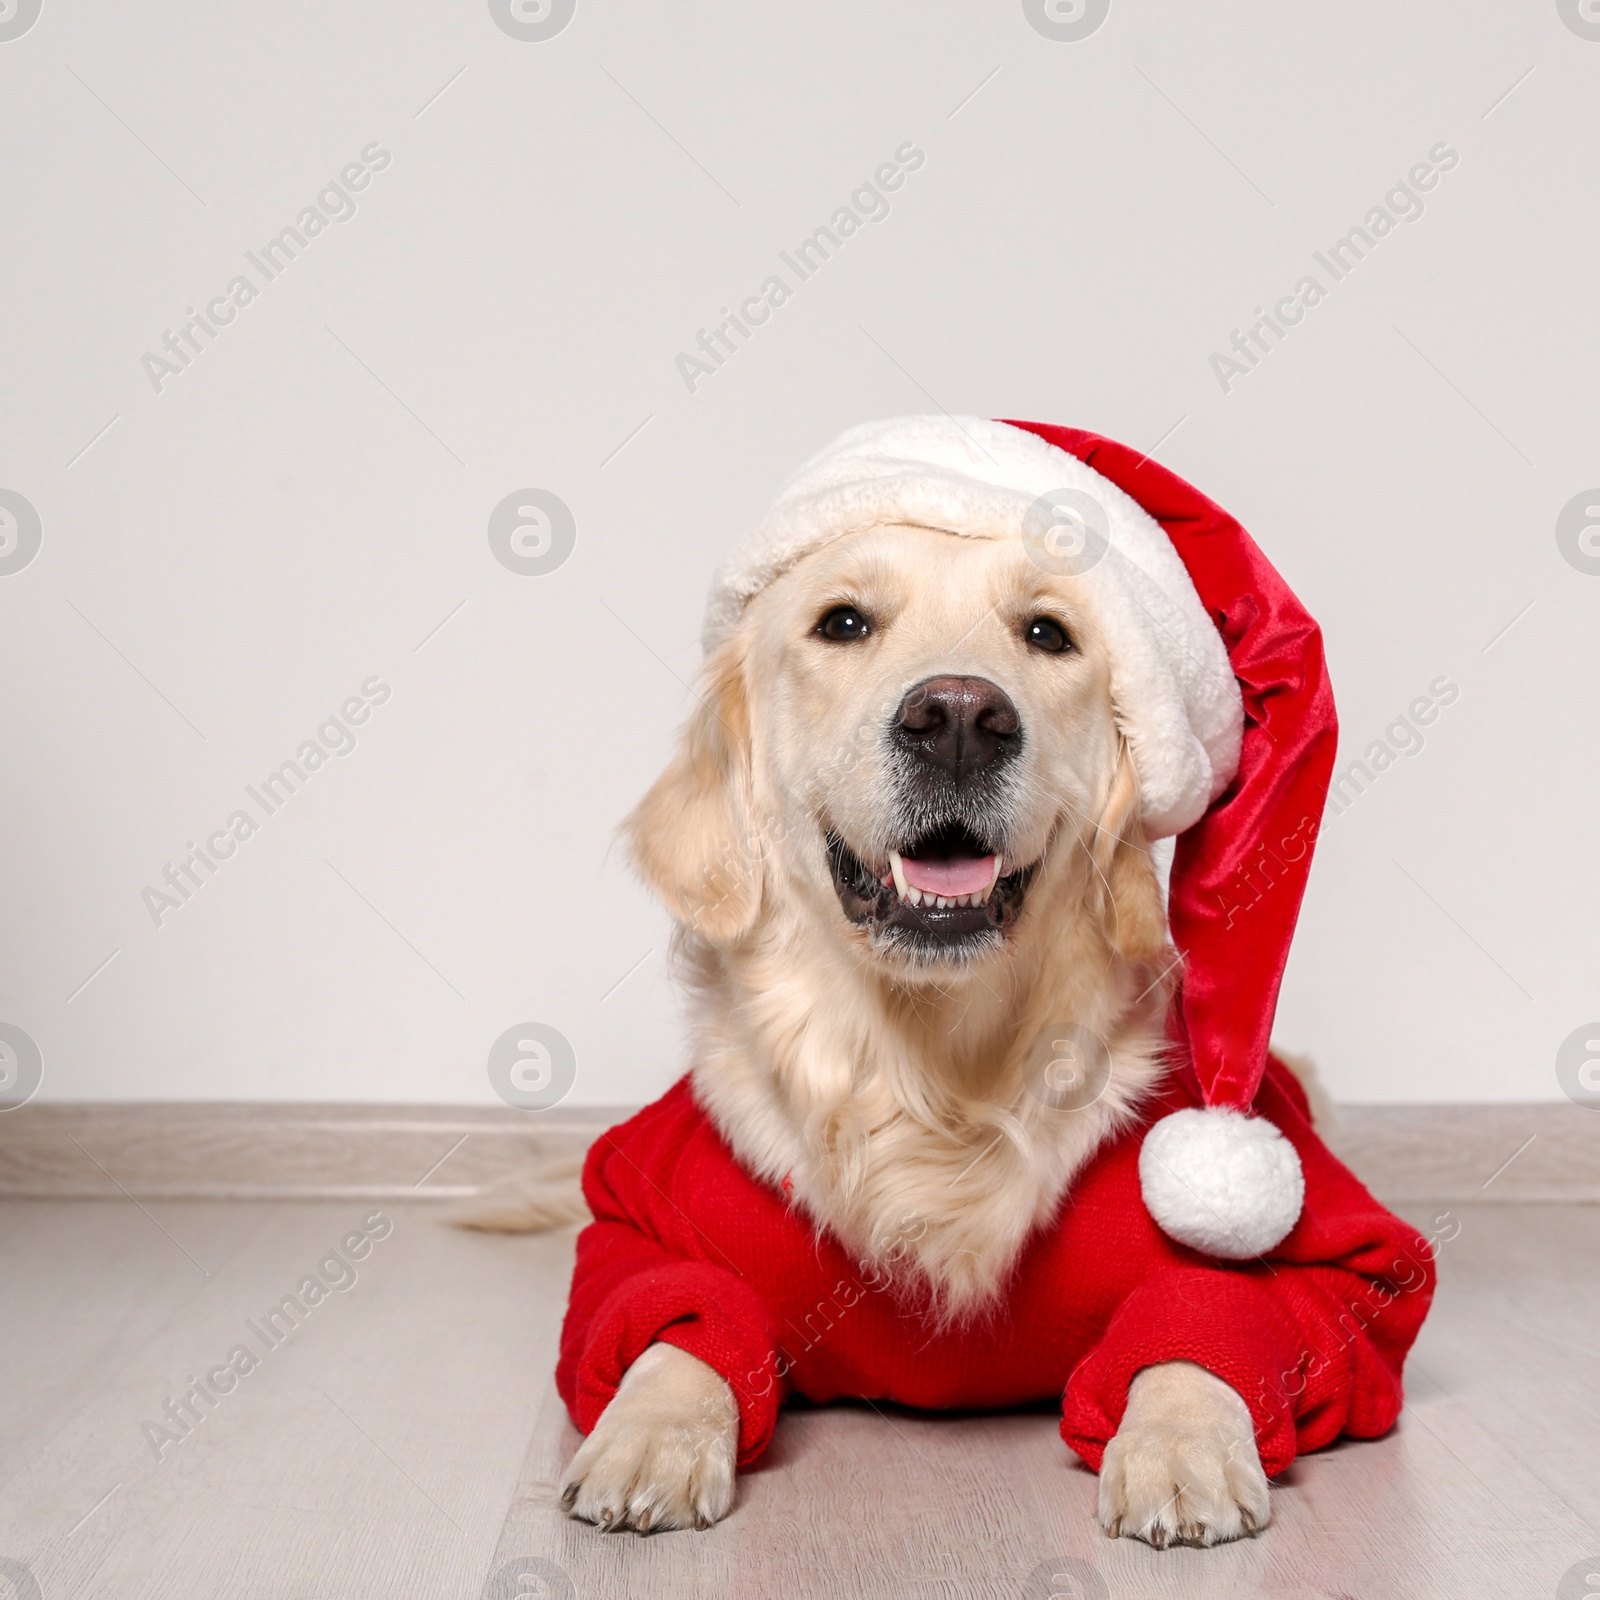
(687, 1248)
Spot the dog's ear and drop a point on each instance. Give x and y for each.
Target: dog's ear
(691, 836)
(1125, 879)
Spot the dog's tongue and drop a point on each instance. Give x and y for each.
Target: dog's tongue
(949, 875)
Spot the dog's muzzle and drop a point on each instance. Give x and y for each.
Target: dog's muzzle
(945, 891)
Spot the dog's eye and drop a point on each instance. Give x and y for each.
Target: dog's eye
(842, 624)
(1045, 634)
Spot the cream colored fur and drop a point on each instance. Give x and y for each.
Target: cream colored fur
(1183, 1467)
(662, 1454)
(544, 1197)
(893, 1098)
(898, 1096)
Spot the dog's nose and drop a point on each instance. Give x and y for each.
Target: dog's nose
(960, 726)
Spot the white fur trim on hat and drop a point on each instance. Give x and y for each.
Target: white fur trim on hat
(1175, 694)
(1224, 1183)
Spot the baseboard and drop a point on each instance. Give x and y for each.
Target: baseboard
(1461, 1153)
(238, 1151)
(1446, 1153)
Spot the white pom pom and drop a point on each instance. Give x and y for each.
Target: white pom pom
(1227, 1184)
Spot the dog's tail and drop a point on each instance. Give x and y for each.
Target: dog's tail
(546, 1196)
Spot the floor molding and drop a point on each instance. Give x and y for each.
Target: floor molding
(1540, 1152)
(240, 1151)
(1547, 1151)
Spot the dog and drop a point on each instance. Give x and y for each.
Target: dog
(904, 842)
(1004, 752)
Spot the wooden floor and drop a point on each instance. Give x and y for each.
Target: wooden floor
(405, 1440)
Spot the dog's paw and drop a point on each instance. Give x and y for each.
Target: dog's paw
(1183, 1467)
(662, 1453)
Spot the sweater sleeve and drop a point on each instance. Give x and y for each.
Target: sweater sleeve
(629, 1290)
(1313, 1338)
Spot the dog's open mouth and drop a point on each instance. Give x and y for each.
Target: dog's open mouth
(944, 893)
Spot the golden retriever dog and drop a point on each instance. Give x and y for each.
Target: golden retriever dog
(901, 835)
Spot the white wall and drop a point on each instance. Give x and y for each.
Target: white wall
(301, 508)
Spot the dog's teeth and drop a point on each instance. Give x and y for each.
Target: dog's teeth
(980, 898)
(898, 868)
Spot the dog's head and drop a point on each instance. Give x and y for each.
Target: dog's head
(908, 743)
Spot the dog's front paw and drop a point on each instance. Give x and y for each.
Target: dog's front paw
(1183, 1467)
(662, 1453)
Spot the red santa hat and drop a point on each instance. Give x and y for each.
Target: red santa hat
(1220, 688)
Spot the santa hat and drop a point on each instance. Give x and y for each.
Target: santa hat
(1221, 691)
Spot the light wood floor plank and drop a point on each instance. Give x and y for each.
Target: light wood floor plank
(406, 1439)
(373, 1453)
